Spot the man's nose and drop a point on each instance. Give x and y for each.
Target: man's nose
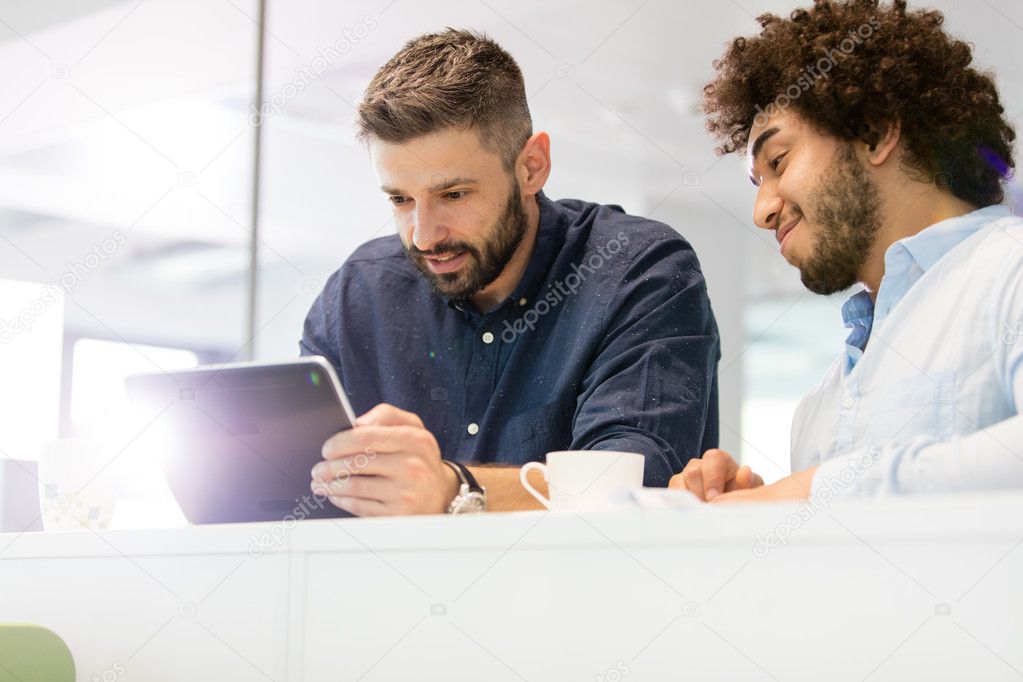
(767, 209)
(427, 229)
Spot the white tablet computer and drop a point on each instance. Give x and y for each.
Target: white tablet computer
(244, 436)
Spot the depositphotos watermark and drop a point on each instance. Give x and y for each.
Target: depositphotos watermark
(1012, 333)
(827, 491)
(274, 537)
(615, 673)
(304, 506)
(114, 672)
(74, 273)
(820, 69)
(314, 70)
(562, 290)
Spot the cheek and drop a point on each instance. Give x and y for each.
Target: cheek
(404, 226)
(794, 187)
(466, 223)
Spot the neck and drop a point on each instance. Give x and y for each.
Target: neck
(908, 214)
(502, 287)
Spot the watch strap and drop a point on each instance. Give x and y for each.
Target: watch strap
(465, 476)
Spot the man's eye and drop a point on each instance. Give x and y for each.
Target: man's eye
(775, 161)
(396, 200)
(454, 196)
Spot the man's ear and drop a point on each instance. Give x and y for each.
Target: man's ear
(533, 166)
(882, 143)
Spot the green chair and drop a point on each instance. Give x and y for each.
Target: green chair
(29, 653)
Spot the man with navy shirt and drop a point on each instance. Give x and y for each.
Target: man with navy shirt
(499, 325)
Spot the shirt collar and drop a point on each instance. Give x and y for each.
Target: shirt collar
(925, 249)
(929, 245)
(544, 251)
(540, 261)
(857, 308)
(858, 316)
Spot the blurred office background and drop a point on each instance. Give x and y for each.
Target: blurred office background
(128, 165)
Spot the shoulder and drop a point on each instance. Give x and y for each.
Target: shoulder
(1001, 241)
(379, 252)
(378, 261)
(602, 230)
(987, 268)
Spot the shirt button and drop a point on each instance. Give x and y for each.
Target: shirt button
(848, 402)
(488, 337)
(473, 429)
(522, 301)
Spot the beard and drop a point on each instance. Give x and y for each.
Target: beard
(847, 209)
(487, 259)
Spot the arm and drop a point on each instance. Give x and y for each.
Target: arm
(391, 464)
(504, 491)
(987, 459)
(652, 386)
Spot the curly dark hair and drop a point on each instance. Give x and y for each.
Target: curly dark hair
(851, 68)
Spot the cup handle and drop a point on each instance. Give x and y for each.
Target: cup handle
(524, 471)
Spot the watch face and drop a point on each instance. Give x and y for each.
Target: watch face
(470, 503)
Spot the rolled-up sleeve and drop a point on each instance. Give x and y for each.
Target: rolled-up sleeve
(652, 387)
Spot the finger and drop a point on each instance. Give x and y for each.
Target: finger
(343, 468)
(378, 488)
(740, 480)
(692, 474)
(678, 481)
(360, 507)
(377, 439)
(744, 478)
(389, 415)
(719, 467)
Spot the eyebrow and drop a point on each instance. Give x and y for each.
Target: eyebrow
(758, 145)
(438, 187)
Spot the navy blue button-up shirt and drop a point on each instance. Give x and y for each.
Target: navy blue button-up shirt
(607, 343)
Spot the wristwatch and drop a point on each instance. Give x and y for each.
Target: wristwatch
(471, 497)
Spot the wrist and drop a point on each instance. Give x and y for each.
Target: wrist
(470, 497)
(450, 485)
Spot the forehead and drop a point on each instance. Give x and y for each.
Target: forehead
(422, 160)
(765, 126)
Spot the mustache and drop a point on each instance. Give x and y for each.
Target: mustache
(444, 249)
(785, 220)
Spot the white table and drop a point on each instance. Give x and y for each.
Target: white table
(929, 589)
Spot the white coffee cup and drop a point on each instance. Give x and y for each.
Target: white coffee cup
(585, 480)
(77, 485)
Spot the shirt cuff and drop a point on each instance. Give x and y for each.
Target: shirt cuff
(656, 470)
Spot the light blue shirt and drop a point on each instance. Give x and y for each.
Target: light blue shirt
(927, 395)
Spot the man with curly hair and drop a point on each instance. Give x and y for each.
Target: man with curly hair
(880, 156)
